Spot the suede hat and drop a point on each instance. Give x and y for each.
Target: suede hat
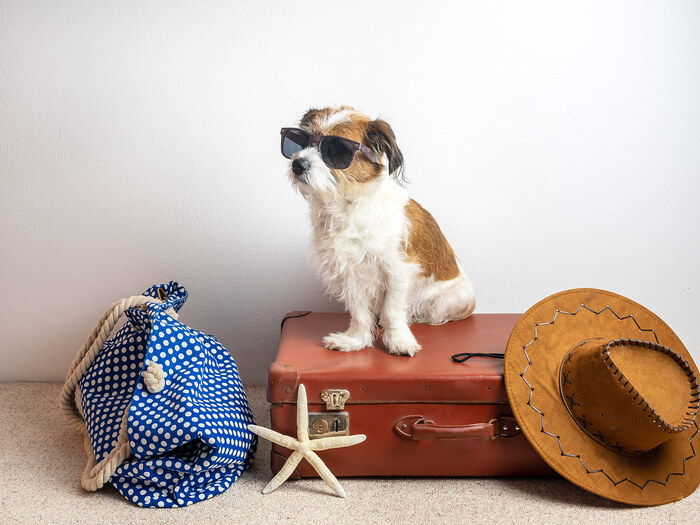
(608, 396)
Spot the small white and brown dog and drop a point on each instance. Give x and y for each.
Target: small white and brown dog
(376, 249)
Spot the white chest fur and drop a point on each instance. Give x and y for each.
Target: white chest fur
(358, 241)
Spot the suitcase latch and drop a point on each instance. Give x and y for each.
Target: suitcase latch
(335, 399)
(325, 424)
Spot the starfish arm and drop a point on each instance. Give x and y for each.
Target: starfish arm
(302, 415)
(285, 472)
(336, 442)
(275, 437)
(324, 472)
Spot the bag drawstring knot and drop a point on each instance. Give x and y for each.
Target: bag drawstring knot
(154, 377)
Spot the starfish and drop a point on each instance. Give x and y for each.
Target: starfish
(304, 447)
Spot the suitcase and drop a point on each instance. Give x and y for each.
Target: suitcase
(425, 415)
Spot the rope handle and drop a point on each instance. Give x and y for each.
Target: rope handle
(90, 350)
(97, 474)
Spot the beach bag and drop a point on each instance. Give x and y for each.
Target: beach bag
(161, 405)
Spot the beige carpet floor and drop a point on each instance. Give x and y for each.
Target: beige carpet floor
(41, 459)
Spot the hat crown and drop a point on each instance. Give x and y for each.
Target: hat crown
(628, 395)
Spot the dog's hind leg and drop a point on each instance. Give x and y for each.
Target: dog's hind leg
(437, 302)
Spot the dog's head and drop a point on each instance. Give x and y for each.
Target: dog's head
(319, 166)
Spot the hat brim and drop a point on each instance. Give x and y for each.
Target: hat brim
(539, 341)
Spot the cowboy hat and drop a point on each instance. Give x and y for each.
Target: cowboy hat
(607, 394)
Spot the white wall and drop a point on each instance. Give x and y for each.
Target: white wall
(556, 143)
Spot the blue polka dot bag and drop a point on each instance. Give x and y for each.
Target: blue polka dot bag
(161, 405)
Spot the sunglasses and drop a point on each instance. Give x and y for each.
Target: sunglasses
(336, 152)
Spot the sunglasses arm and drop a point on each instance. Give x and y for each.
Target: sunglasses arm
(371, 155)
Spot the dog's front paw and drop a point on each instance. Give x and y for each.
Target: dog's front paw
(401, 342)
(344, 342)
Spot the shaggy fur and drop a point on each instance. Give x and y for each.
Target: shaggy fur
(376, 250)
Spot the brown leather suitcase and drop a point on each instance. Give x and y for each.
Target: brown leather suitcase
(423, 416)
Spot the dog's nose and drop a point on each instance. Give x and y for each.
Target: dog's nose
(300, 166)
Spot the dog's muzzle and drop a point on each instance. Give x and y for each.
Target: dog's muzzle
(300, 167)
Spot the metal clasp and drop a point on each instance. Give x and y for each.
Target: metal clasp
(335, 399)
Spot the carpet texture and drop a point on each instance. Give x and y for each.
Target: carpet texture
(41, 460)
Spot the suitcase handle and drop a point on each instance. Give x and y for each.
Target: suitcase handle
(419, 428)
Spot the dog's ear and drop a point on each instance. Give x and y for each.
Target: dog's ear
(380, 137)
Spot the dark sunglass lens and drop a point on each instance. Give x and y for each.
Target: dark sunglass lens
(293, 141)
(336, 152)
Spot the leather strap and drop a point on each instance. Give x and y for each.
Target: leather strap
(461, 358)
(419, 428)
(292, 315)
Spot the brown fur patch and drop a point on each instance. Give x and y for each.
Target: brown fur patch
(315, 119)
(427, 245)
(354, 128)
(362, 169)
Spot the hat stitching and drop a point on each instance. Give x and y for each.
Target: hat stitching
(692, 378)
(571, 401)
(578, 456)
(605, 355)
(583, 421)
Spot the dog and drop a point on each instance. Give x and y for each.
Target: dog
(378, 251)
